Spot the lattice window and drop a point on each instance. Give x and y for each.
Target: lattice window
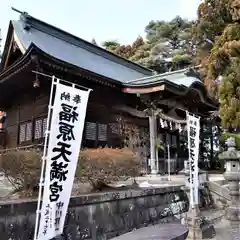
(38, 129)
(22, 133)
(44, 128)
(29, 131)
(25, 132)
(91, 131)
(102, 132)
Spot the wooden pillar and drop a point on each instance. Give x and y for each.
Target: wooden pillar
(153, 136)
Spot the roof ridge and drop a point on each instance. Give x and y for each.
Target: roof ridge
(160, 75)
(40, 25)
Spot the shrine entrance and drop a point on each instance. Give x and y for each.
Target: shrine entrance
(167, 97)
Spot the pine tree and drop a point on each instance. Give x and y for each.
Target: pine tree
(168, 46)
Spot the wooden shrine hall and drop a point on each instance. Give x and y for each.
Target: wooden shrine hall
(124, 94)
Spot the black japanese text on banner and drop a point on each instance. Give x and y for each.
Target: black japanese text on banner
(67, 123)
(193, 128)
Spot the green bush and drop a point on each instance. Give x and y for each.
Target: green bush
(98, 167)
(102, 166)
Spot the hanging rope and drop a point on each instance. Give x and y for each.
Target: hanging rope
(170, 119)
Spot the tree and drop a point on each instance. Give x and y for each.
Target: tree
(168, 46)
(110, 45)
(223, 61)
(169, 43)
(213, 17)
(125, 51)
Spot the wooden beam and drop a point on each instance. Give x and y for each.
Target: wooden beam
(8, 52)
(172, 103)
(131, 111)
(18, 42)
(145, 113)
(135, 90)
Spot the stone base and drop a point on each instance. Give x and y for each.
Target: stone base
(194, 224)
(199, 227)
(208, 230)
(169, 231)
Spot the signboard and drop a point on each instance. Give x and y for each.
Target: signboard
(193, 129)
(66, 129)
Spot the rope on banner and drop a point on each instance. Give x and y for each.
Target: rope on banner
(62, 80)
(41, 182)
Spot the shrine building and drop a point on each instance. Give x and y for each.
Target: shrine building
(122, 90)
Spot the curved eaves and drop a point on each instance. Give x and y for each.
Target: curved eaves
(198, 87)
(7, 46)
(21, 61)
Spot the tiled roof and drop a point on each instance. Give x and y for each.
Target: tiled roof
(179, 77)
(76, 51)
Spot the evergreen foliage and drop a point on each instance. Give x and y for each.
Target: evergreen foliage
(168, 46)
(218, 21)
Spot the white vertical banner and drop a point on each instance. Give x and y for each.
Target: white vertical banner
(65, 137)
(193, 129)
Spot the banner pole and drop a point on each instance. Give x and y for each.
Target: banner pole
(38, 213)
(69, 106)
(61, 80)
(169, 166)
(196, 172)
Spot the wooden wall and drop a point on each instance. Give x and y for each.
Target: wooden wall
(26, 119)
(23, 115)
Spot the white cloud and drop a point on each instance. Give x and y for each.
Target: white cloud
(188, 8)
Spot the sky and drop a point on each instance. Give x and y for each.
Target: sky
(103, 20)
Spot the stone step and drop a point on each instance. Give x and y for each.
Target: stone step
(220, 190)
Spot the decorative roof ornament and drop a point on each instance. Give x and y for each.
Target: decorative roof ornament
(94, 41)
